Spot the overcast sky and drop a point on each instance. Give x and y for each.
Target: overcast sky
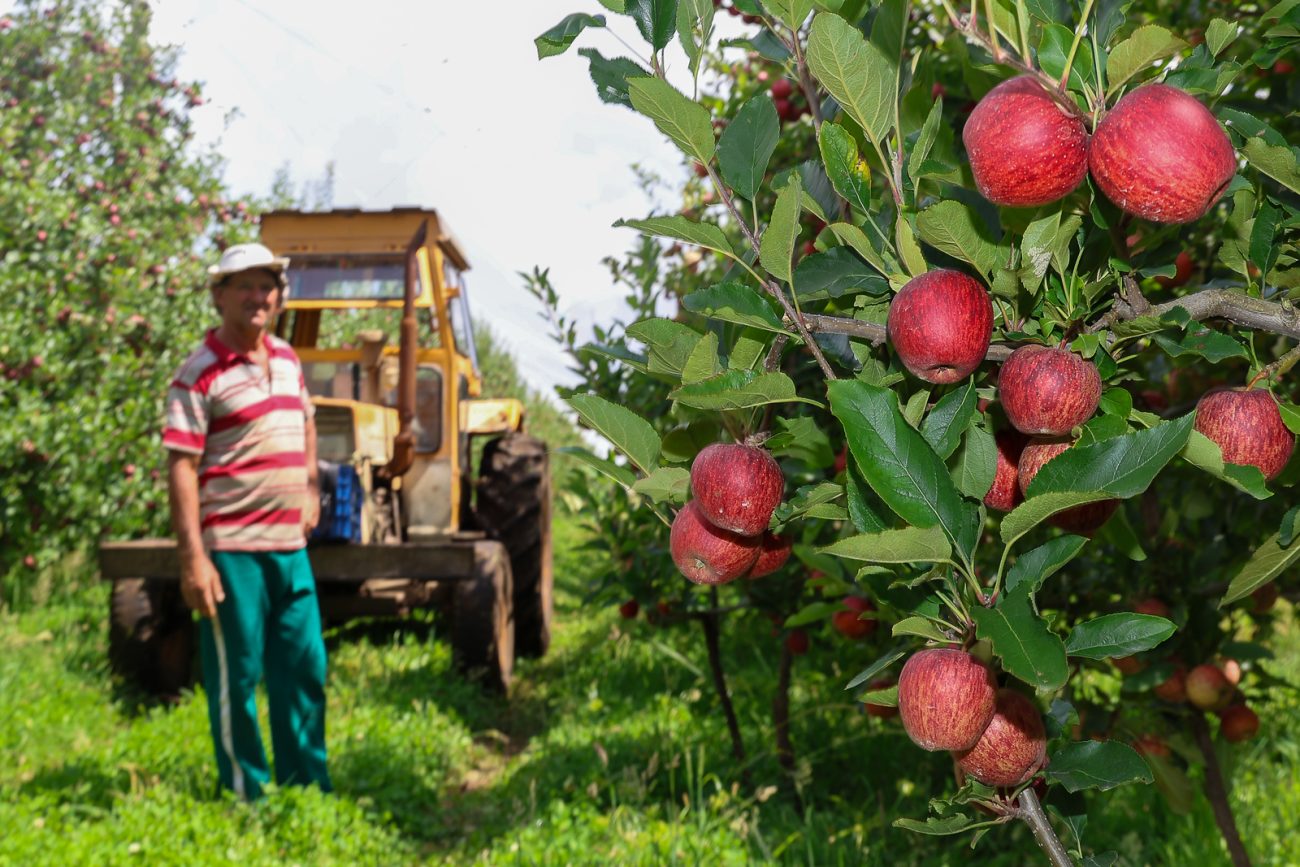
(440, 104)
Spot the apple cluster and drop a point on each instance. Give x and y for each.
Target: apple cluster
(1158, 154)
(949, 700)
(722, 533)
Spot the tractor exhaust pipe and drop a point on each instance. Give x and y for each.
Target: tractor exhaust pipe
(404, 443)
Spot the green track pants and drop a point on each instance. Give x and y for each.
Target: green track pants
(269, 625)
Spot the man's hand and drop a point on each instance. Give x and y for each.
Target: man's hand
(201, 586)
(310, 513)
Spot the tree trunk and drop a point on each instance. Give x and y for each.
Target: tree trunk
(709, 622)
(1217, 792)
(781, 719)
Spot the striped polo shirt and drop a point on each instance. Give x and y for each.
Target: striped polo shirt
(250, 434)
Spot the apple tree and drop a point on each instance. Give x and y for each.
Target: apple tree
(1030, 264)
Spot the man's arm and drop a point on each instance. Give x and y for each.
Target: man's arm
(200, 583)
(311, 509)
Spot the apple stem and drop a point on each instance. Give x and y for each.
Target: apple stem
(1033, 815)
(1217, 792)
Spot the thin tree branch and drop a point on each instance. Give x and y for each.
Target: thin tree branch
(1031, 812)
(1217, 792)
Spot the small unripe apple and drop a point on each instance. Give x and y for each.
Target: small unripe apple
(847, 622)
(1012, 748)
(1046, 390)
(629, 609)
(1247, 427)
(946, 698)
(1174, 690)
(1161, 155)
(1207, 688)
(1025, 147)
(773, 551)
(881, 711)
(940, 324)
(1238, 723)
(1083, 520)
(737, 487)
(1152, 606)
(797, 642)
(1005, 494)
(706, 554)
(1150, 745)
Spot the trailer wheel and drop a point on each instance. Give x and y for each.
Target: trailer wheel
(482, 631)
(514, 507)
(151, 637)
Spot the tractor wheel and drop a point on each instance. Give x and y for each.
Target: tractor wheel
(151, 637)
(482, 632)
(514, 507)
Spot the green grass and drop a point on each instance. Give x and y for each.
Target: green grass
(610, 751)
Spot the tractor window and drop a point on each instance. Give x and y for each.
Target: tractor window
(330, 379)
(427, 424)
(348, 278)
(458, 311)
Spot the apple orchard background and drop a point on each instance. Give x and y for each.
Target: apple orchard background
(673, 722)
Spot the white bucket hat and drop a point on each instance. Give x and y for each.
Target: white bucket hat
(246, 257)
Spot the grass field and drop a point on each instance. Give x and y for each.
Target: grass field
(610, 752)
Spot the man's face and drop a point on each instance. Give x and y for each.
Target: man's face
(248, 300)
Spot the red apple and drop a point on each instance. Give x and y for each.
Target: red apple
(1150, 745)
(1174, 690)
(1083, 520)
(1046, 390)
(1231, 670)
(785, 110)
(1207, 688)
(1238, 723)
(629, 609)
(1128, 664)
(940, 324)
(737, 487)
(29, 561)
(946, 698)
(1264, 598)
(701, 171)
(781, 88)
(1005, 494)
(1184, 266)
(842, 460)
(847, 622)
(797, 642)
(1153, 606)
(706, 554)
(1248, 428)
(1026, 148)
(773, 551)
(1012, 748)
(880, 710)
(1283, 67)
(1161, 155)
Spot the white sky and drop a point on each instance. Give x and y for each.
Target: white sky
(437, 104)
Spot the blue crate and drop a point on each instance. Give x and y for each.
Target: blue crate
(341, 498)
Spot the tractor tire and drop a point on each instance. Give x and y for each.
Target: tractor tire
(482, 631)
(151, 637)
(514, 507)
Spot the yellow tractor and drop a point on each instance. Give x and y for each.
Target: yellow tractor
(377, 310)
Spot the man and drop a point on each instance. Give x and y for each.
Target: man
(242, 479)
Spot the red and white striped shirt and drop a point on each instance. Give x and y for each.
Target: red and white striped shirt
(250, 433)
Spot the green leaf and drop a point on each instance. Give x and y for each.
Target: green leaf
(855, 72)
(1121, 634)
(1203, 452)
(894, 654)
(1097, 765)
(622, 475)
(1021, 639)
(685, 122)
(694, 25)
(1276, 161)
(1268, 561)
(887, 696)
(792, 13)
(1143, 47)
(1122, 466)
(746, 145)
(671, 344)
(915, 407)
(834, 274)
(802, 439)
(1219, 35)
(908, 545)
(558, 39)
(703, 362)
(1035, 510)
(908, 249)
(924, 143)
(849, 173)
(851, 235)
(861, 508)
(945, 424)
(777, 248)
(978, 463)
(1054, 48)
(810, 500)
(656, 19)
(1214, 346)
(1034, 567)
(936, 826)
(897, 462)
(629, 433)
(679, 228)
(610, 75)
(739, 389)
(953, 228)
(735, 302)
(814, 612)
(666, 485)
(1262, 250)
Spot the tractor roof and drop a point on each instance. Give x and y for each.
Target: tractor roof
(353, 230)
